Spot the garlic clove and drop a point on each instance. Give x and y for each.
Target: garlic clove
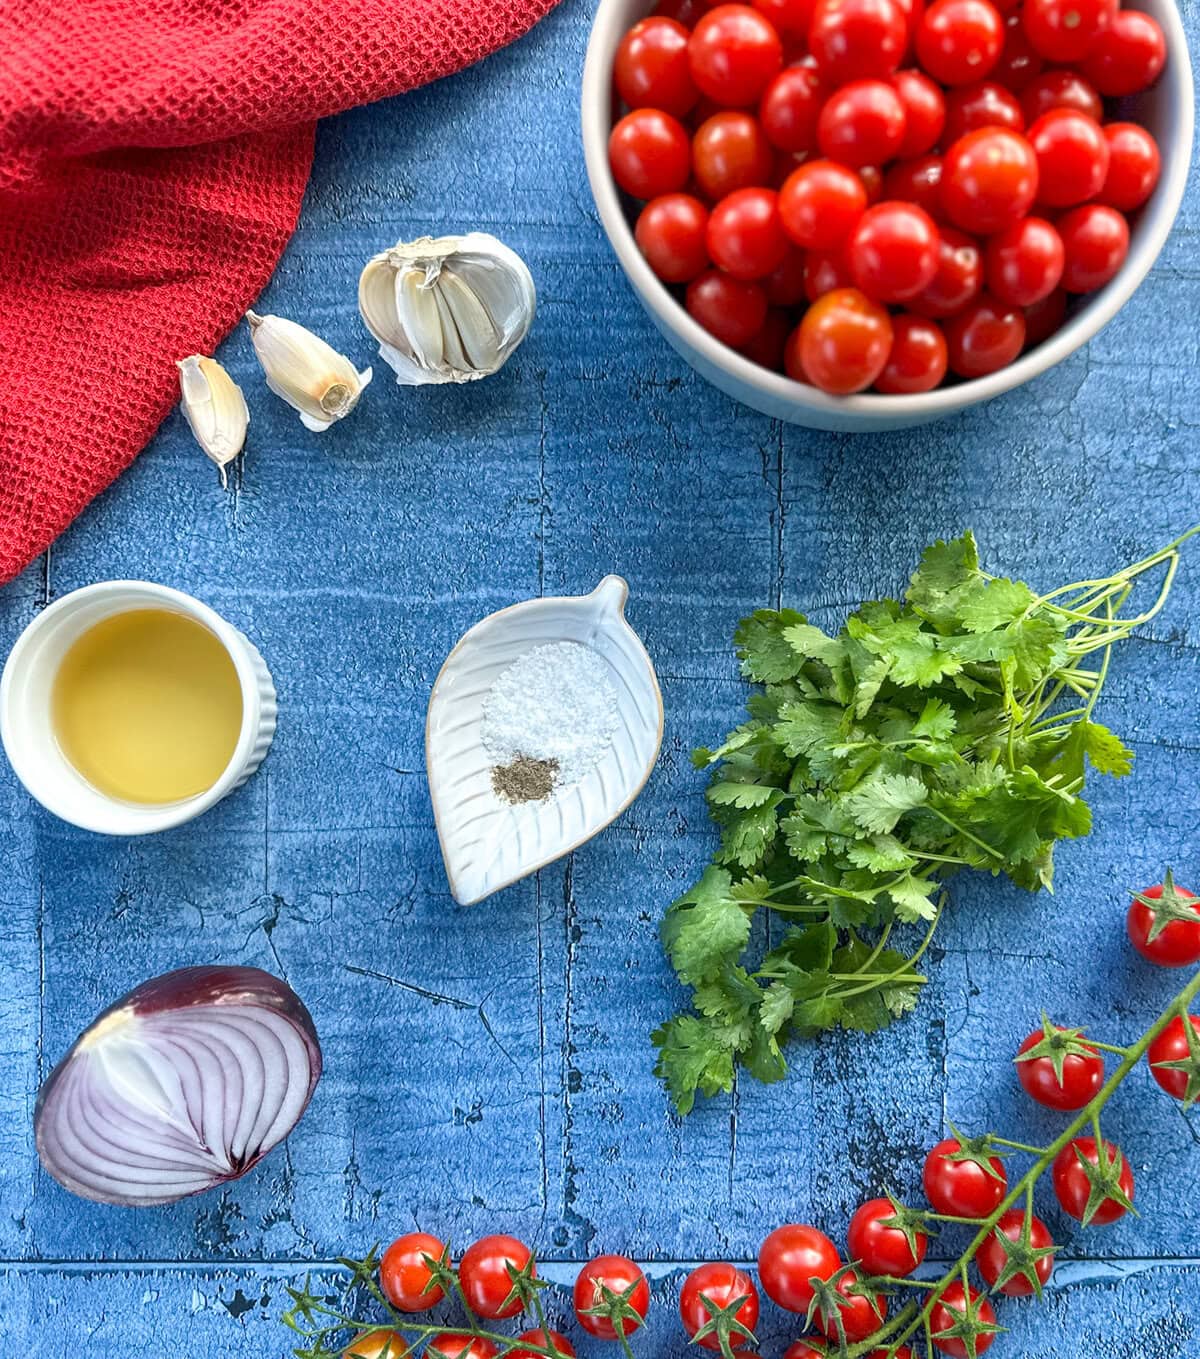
(417, 314)
(301, 369)
(477, 332)
(214, 407)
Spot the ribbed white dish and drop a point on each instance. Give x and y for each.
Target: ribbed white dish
(487, 843)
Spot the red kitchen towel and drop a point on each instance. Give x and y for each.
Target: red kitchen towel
(153, 155)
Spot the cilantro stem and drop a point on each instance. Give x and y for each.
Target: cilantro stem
(966, 834)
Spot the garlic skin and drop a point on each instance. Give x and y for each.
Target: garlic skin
(447, 309)
(214, 407)
(301, 369)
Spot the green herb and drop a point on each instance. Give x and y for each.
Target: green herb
(949, 730)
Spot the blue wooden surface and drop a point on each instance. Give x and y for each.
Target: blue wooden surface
(489, 1069)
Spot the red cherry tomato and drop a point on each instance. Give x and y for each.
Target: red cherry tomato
(734, 54)
(1134, 165)
(872, 182)
(862, 1315)
(1082, 1072)
(789, 108)
(857, 39)
(959, 41)
(989, 180)
(958, 280)
(670, 232)
(649, 153)
(1045, 317)
(878, 1248)
(924, 112)
(984, 104)
(730, 309)
(819, 204)
(730, 151)
(617, 1276)
(485, 1273)
(824, 271)
(378, 1345)
(745, 236)
(1060, 90)
(801, 1349)
(1176, 936)
(841, 344)
(407, 1281)
(790, 18)
(992, 1256)
(917, 181)
(446, 1346)
(1128, 57)
(768, 346)
(545, 1340)
(1072, 156)
(789, 1259)
(1064, 30)
(986, 335)
(1018, 63)
(962, 1188)
(1072, 1186)
(893, 251)
(722, 1285)
(784, 285)
(1024, 263)
(861, 124)
(1095, 243)
(950, 1309)
(684, 12)
(651, 67)
(1171, 1046)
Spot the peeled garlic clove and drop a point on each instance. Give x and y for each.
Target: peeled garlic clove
(214, 407)
(450, 309)
(311, 376)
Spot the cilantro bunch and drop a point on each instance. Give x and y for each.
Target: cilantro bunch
(949, 730)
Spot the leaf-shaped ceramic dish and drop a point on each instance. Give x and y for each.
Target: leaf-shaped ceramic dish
(486, 842)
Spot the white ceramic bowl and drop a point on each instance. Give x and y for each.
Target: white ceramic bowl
(28, 735)
(1167, 110)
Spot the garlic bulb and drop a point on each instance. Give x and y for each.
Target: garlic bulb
(447, 310)
(214, 407)
(304, 371)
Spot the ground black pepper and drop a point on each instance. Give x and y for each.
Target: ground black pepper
(525, 779)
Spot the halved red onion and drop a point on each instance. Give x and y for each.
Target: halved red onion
(183, 1084)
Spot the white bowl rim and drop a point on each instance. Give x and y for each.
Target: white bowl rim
(596, 109)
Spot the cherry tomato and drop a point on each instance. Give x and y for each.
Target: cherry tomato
(721, 1285)
(857, 39)
(1128, 57)
(1095, 243)
(1060, 90)
(862, 1315)
(1161, 926)
(1018, 63)
(861, 124)
(1072, 156)
(950, 1309)
(872, 181)
(958, 280)
(685, 12)
(984, 336)
(881, 1249)
(962, 1188)
(893, 251)
(649, 153)
(1171, 1046)
(992, 1257)
(1072, 1186)
(842, 343)
(924, 112)
(651, 67)
(984, 104)
(378, 1345)
(670, 233)
(1082, 1072)
(1133, 166)
(1064, 30)
(989, 180)
(1045, 317)
(405, 1278)
(619, 1276)
(801, 1349)
(790, 18)
(789, 108)
(784, 285)
(768, 346)
(734, 54)
(730, 151)
(959, 41)
(1023, 264)
(917, 181)
(485, 1276)
(824, 271)
(729, 308)
(745, 236)
(446, 1346)
(546, 1340)
(789, 1259)
(819, 204)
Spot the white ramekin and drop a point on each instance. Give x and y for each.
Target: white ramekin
(27, 732)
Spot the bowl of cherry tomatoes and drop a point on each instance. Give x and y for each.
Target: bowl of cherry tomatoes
(867, 214)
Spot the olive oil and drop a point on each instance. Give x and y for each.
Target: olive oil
(147, 706)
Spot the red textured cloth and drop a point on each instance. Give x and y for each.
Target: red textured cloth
(153, 155)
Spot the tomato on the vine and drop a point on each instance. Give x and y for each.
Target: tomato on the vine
(485, 1275)
(651, 67)
(1099, 1194)
(1134, 165)
(734, 54)
(989, 180)
(606, 1284)
(1009, 1255)
(544, 1340)
(448, 1346)
(1072, 157)
(924, 112)
(650, 153)
(983, 104)
(1174, 1058)
(819, 204)
(1164, 924)
(1129, 56)
(959, 41)
(406, 1280)
(842, 343)
(859, 1315)
(378, 1345)
(789, 1259)
(955, 1307)
(714, 1288)
(1058, 1069)
(1065, 30)
(801, 1349)
(893, 251)
(1060, 90)
(1024, 263)
(956, 1183)
(873, 1239)
(731, 309)
(857, 39)
(789, 108)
